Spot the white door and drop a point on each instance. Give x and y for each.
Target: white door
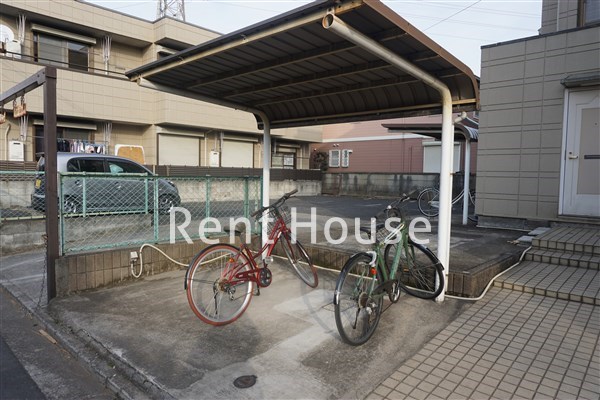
(581, 162)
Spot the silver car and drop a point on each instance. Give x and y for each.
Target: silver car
(101, 183)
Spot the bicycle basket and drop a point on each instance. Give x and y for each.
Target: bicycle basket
(274, 214)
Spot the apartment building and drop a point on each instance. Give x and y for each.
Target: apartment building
(100, 110)
(402, 145)
(539, 142)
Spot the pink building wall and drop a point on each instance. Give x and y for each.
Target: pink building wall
(375, 149)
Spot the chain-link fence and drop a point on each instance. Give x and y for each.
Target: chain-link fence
(116, 210)
(107, 211)
(16, 188)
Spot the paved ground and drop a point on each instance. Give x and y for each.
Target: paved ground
(508, 345)
(287, 338)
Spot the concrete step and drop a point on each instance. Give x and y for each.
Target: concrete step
(551, 280)
(569, 238)
(566, 258)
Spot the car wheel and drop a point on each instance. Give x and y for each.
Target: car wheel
(71, 206)
(166, 204)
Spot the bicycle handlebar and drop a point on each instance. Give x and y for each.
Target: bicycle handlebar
(279, 202)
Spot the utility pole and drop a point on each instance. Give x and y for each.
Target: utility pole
(171, 8)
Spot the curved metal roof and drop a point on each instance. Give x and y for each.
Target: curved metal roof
(299, 73)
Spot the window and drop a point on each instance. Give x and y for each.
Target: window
(85, 165)
(120, 167)
(62, 52)
(590, 11)
(61, 133)
(346, 158)
(334, 158)
(283, 160)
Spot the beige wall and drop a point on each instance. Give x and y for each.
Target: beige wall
(521, 121)
(94, 97)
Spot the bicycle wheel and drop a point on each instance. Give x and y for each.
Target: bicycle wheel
(299, 259)
(215, 295)
(429, 202)
(357, 312)
(419, 271)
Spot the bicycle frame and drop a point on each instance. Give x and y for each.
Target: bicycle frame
(235, 277)
(378, 260)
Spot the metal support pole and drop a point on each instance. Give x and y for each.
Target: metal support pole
(335, 24)
(266, 173)
(467, 181)
(46, 77)
(52, 245)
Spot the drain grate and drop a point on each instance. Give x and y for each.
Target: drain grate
(244, 381)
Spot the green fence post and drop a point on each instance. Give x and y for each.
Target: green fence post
(146, 194)
(84, 195)
(246, 197)
(208, 187)
(155, 183)
(61, 216)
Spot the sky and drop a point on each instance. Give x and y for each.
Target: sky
(459, 26)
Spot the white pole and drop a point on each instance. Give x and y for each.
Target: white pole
(332, 22)
(467, 180)
(266, 183)
(444, 221)
(467, 169)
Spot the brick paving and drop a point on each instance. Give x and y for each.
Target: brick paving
(511, 344)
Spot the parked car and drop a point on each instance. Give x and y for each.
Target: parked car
(103, 192)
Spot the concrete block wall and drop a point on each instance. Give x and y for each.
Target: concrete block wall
(377, 184)
(87, 271)
(21, 235)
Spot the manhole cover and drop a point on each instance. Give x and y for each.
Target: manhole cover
(244, 381)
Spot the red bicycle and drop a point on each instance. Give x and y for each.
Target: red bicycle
(220, 280)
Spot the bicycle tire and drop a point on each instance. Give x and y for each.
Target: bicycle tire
(357, 314)
(300, 260)
(429, 202)
(420, 273)
(209, 293)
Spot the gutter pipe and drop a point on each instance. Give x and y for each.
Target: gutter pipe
(466, 181)
(266, 181)
(335, 24)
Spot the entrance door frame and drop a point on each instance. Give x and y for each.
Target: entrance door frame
(567, 117)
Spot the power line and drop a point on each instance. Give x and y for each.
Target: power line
(443, 4)
(456, 13)
(471, 23)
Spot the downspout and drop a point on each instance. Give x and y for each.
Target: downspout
(466, 181)
(6, 139)
(335, 24)
(266, 183)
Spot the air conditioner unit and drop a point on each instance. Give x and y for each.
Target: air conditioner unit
(16, 151)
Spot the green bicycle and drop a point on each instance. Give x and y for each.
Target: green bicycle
(395, 263)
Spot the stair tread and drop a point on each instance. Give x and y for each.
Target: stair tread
(571, 239)
(553, 280)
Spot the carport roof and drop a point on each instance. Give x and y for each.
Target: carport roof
(298, 73)
(462, 131)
